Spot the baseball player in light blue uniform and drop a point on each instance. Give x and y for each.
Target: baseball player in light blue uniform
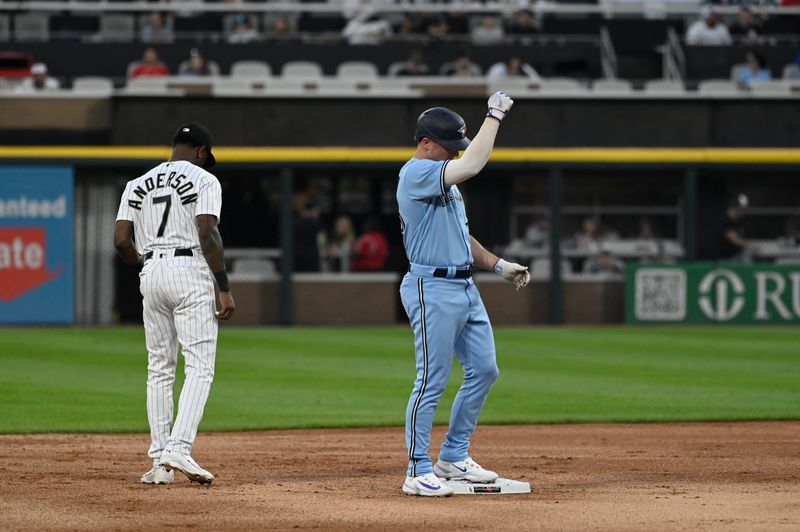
(440, 297)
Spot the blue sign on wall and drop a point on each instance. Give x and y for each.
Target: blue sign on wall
(36, 250)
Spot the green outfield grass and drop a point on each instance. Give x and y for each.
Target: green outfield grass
(93, 380)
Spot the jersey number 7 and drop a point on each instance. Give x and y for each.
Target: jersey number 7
(168, 200)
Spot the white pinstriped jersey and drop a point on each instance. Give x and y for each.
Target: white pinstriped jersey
(163, 205)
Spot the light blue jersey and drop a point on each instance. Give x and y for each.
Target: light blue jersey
(445, 312)
(434, 221)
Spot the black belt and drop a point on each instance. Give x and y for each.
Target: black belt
(178, 253)
(460, 274)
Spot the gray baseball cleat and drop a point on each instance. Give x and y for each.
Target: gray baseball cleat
(186, 465)
(466, 469)
(158, 475)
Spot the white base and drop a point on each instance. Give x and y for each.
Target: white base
(498, 487)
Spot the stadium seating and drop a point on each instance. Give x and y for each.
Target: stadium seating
(250, 69)
(771, 88)
(718, 87)
(5, 28)
(612, 87)
(662, 87)
(117, 28)
(31, 27)
(357, 70)
(96, 86)
(540, 269)
(301, 69)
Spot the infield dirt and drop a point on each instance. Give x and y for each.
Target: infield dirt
(707, 476)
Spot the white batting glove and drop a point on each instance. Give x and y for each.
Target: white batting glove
(499, 105)
(512, 272)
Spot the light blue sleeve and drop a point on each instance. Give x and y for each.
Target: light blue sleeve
(424, 178)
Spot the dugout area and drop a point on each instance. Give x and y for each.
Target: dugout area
(681, 192)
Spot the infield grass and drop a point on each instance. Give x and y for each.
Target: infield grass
(93, 379)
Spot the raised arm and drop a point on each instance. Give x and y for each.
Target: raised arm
(478, 152)
(211, 243)
(510, 271)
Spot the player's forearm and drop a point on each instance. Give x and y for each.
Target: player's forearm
(123, 242)
(484, 259)
(475, 156)
(213, 251)
(127, 252)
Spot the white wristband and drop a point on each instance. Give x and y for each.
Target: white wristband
(495, 113)
(498, 266)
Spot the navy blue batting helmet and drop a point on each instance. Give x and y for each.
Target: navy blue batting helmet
(444, 127)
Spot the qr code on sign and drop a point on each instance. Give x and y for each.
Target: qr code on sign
(660, 294)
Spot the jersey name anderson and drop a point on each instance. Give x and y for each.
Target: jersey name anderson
(172, 180)
(163, 205)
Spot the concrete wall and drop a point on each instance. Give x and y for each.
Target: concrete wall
(373, 299)
(565, 122)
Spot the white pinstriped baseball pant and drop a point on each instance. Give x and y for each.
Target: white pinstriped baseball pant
(179, 307)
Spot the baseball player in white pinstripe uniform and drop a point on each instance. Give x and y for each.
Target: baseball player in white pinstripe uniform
(167, 222)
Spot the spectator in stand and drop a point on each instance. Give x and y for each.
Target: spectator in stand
(708, 30)
(150, 65)
(604, 263)
(462, 67)
(412, 24)
(371, 249)
(728, 240)
(792, 70)
(156, 30)
(538, 234)
(439, 28)
(511, 68)
(38, 80)
(340, 248)
(281, 24)
(243, 31)
(524, 22)
(747, 27)
(367, 28)
(413, 66)
(645, 229)
(309, 238)
(791, 238)
(588, 237)
(489, 31)
(757, 70)
(197, 65)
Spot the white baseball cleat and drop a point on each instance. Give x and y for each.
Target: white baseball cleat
(158, 475)
(186, 465)
(427, 485)
(467, 469)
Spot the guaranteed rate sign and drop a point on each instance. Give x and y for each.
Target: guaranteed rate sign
(713, 293)
(36, 245)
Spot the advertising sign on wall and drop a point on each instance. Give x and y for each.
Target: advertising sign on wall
(36, 245)
(713, 293)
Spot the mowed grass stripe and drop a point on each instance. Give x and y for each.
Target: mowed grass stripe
(93, 379)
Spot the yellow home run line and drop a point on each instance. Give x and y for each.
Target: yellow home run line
(345, 154)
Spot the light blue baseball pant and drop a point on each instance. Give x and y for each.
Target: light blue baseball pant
(447, 315)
